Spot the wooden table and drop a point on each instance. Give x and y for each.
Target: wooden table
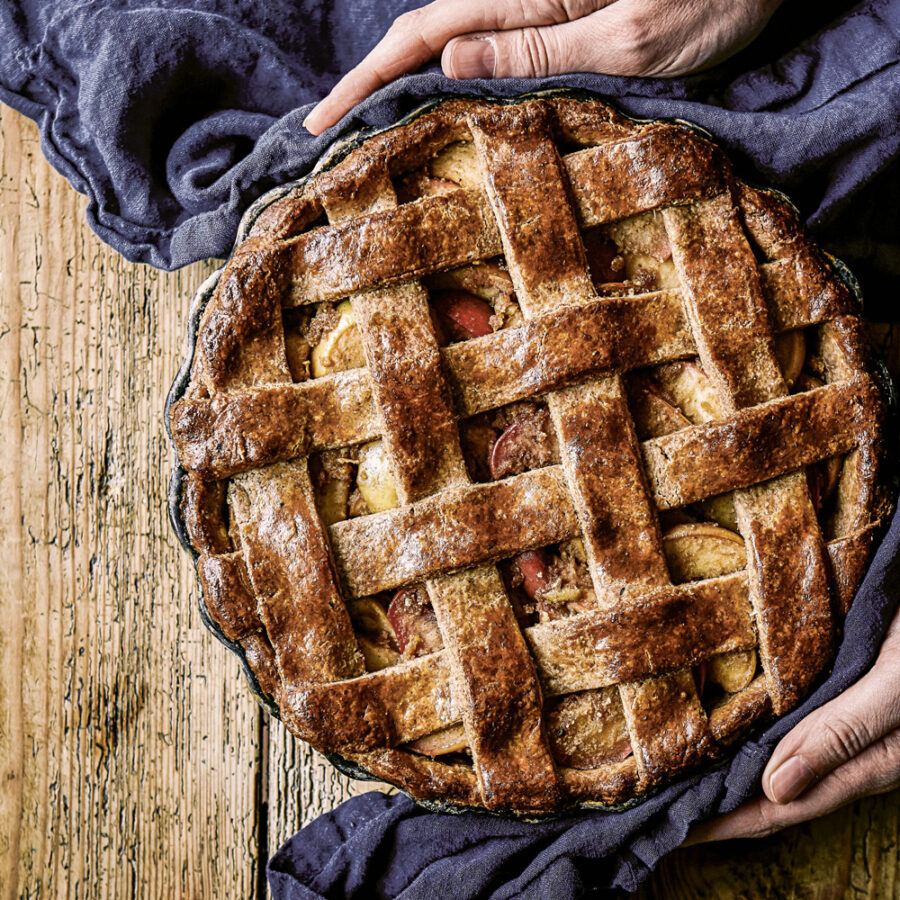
(134, 761)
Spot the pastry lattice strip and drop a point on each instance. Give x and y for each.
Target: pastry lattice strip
(314, 266)
(492, 674)
(217, 436)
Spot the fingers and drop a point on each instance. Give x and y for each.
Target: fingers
(420, 35)
(835, 733)
(507, 38)
(874, 771)
(606, 41)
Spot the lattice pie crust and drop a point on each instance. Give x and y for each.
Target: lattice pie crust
(685, 493)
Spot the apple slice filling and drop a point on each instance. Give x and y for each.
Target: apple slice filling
(631, 256)
(472, 301)
(395, 628)
(414, 622)
(509, 441)
(550, 583)
(375, 633)
(351, 482)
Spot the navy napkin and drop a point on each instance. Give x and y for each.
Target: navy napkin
(173, 116)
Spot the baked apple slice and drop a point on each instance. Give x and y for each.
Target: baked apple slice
(732, 671)
(414, 623)
(374, 632)
(689, 386)
(451, 739)
(462, 314)
(720, 509)
(527, 443)
(653, 411)
(534, 567)
(644, 234)
(340, 348)
(702, 550)
(332, 473)
(790, 348)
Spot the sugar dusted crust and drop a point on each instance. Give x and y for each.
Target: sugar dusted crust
(624, 262)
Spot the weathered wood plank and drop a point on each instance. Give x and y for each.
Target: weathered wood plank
(302, 785)
(128, 744)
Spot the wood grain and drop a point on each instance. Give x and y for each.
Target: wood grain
(133, 760)
(129, 748)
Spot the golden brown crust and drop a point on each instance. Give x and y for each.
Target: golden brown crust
(275, 579)
(286, 551)
(526, 182)
(849, 557)
(602, 459)
(413, 401)
(385, 708)
(730, 719)
(622, 178)
(231, 433)
(788, 585)
(497, 688)
(724, 301)
(204, 514)
(787, 570)
(650, 632)
(757, 444)
(462, 526)
(667, 724)
(228, 595)
(260, 657)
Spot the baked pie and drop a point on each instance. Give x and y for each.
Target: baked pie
(528, 456)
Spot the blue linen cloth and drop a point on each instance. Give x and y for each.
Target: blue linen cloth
(173, 116)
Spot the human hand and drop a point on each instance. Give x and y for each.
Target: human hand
(512, 38)
(847, 749)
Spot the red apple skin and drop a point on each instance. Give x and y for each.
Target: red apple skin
(504, 451)
(532, 564)
(524, 444)
(411, 615)
(462, 314)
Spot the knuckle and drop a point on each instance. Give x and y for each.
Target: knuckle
(768, 822)
(635, 49)
(844, 738)
(409, 22)
(577, 9)
(533, 53)
(882, 768)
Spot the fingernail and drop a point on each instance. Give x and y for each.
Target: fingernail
(309, 115)
(790, 780)
(473, 58)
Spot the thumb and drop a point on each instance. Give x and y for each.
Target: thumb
(596, 43)
(835, 733)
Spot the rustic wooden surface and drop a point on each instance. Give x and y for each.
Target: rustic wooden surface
(133, 760)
